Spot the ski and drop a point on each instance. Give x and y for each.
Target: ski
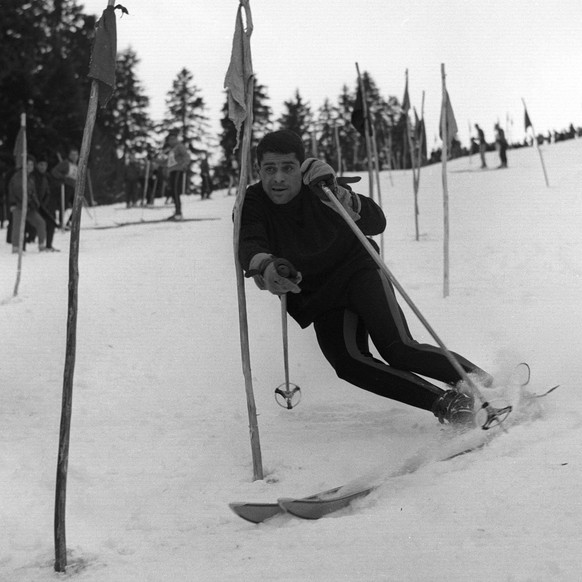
(256, 512)
(260, 512)
(320, 505)
(325, 502)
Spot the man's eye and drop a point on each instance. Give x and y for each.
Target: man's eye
(269, 171)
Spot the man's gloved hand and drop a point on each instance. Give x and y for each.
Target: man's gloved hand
(316, 171)
(277, 276)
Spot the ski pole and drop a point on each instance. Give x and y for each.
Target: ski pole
(286, 269)
(492, 413)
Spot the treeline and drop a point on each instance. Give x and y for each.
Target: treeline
(44, 59)
(45, 48)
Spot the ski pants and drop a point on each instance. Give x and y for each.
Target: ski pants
(373, 313)
(34, 219)
(176, 187)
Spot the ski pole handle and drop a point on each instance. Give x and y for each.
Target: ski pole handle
(285, 268)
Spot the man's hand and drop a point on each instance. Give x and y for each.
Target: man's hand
(278, 283)
(316, 171)
(275, 275)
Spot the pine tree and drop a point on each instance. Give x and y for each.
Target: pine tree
(297, 117)
(329, 122)
(350, 139)
(126, 116)
(185, 111)
(43, 66)
(262, 112)
(122, 128)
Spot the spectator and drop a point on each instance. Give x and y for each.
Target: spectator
(482, 145)
(66, 173)
(131, 180)
(206, 188)
(47, 195)
(501, 145)
(178, 163)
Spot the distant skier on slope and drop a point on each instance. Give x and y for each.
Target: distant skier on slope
(338, 287)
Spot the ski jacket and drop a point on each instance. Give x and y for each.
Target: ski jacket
(178, 158)
(315, 239)
(66, 172)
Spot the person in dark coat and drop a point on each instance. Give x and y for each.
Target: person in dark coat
(47, 195)
(338, 287)
(501, 145)
(482, 145)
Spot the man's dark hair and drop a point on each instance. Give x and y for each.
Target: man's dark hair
(283, 141)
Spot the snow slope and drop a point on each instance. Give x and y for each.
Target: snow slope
(160, 444)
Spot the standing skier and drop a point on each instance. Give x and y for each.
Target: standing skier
(339, 287)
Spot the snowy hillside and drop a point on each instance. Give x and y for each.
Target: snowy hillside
(159, 442)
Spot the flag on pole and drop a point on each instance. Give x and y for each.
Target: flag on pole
(450, 121)
(240, 71)
(420, 135)
(20, 147)
(406, 98)
(527, 120)
(405, 124)
(104, 53)
(358, 114)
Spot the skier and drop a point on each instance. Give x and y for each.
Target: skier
(501, 145)
(338, 287)
(482, 145)
(177, 166)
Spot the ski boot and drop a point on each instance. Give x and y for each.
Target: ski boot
(456, 408)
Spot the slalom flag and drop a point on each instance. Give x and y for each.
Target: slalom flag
(20, 147)
(404, 123)
(420, 135)
(451, 123)
(358, 115)
(527, 120)
(239, 73)
(406, 98)
(104, 53)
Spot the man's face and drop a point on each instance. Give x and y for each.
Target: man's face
(280, 176)
(74, 156)
(42, 167)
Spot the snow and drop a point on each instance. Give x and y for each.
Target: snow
(159, 439)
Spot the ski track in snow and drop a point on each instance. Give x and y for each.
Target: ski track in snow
(159, 439)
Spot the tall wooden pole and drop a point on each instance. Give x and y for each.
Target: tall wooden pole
(338, 150)
(245, 172)
(413, 166)
(420, 145)
(24, 202)
(444, 157)
(369, 153)
(70, 354)
(70, 350)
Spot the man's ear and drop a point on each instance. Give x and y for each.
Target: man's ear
(256, 167)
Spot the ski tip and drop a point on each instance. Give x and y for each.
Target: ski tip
(255, 512)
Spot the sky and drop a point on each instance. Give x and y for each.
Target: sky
(495, 53)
